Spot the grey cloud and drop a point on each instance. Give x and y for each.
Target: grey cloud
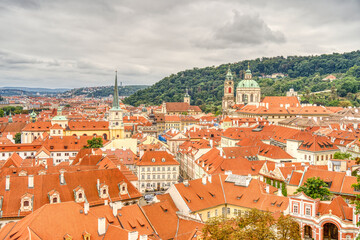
(243, 29)
(80, 43)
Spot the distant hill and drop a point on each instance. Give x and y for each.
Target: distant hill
(104, 91)
(303, 73)
(14, 91)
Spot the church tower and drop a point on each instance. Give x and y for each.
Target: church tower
(116, 125)
(187, 97)
(248, 90)
(33, 116)
(228, 98)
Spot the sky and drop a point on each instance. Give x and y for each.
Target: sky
(78, 43)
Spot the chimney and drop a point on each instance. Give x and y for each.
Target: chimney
(203, 180)
(86, 207)
(267, 188)
(348, 172)
(209, 178)
(247, 181)
(62, 178)
(211, 143)
(228, 172)
(143, 237)
(7, 183)
(106, 202)
(133, 235)
(186, 183)
(101, 226)
(31, 181)
(98, 184)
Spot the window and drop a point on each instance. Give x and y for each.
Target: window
(143, 176)
(216, 212)
(26, 203)
(58, 154)
(104, 191)
(153, 160)
(228, 210)
(295, 208)
(308, 211)
(235, 211)
(208, 214)
(55, 200)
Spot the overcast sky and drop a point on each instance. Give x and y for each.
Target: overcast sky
(75, 43)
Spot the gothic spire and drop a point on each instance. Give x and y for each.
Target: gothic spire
(116, 94)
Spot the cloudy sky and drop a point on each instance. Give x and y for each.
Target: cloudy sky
(75, 43)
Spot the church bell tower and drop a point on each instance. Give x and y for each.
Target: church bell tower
(116, 124)
(229, 98)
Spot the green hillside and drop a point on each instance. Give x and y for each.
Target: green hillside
(105, 91)
(305, 74)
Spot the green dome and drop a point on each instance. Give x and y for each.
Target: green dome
(248, 71)
(249, 83)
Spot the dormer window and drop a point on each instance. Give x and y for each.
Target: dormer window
(163, 159)
(54, 196)
(79, 194)
(104, 191)
(123, 188)
(153, 160)
(26, 202)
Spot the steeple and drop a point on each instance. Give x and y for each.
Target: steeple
(229, 75)
(248, 74)
(187, 97)
(10, 118)
(116, 94)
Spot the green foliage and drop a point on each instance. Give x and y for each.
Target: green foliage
(17, 138)
(340, 155)
(304, 72)
(315, 188)
(12, 109)
(109, 90)
(268, 181)
(257, 225)
(284, 190)
(94, 143)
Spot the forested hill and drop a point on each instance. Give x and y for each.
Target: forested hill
(104, 91)
(305, 74)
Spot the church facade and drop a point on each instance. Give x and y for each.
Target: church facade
(247, 91)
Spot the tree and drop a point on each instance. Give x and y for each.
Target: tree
(340, 155)
(257, 225)
(283, 190)
(94, 143)
(17, 138)
(315, 188)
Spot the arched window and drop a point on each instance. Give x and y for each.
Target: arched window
(251, 98)
(105, 136)
(229, 89)
(80, 195)
(26, 203)
(55, 200)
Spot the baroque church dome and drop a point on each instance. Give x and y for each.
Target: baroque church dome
(248, 83)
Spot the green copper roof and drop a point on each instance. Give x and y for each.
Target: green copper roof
(33, 114)
(59, 117)
(229, 75)
(116, 94)
(249, 83)
(187, 93)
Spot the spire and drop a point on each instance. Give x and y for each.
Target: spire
(229, 75)
(10, 118)
(248, 66)
(187, 92)
(116, 94)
